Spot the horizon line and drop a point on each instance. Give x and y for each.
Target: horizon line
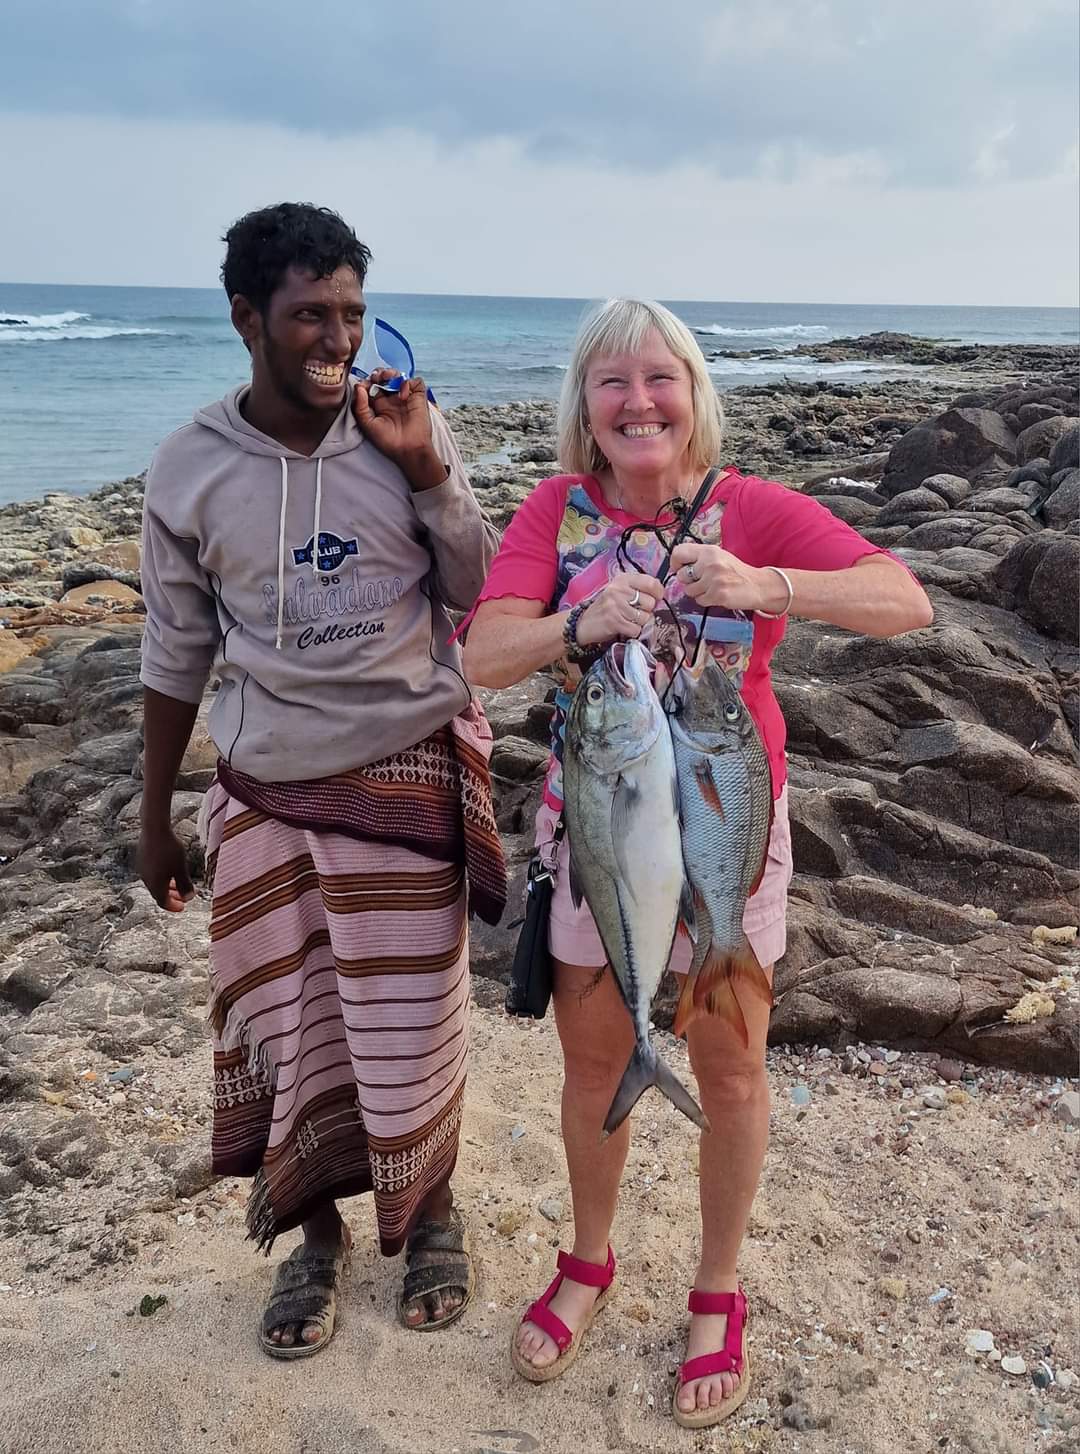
(575, 298)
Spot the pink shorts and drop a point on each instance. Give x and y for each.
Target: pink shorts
(572, 935)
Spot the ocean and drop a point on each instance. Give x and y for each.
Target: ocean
(91, 378)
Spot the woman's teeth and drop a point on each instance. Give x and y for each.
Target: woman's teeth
(642, 431)
(327, 374)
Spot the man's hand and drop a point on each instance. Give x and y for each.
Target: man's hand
(161, 862)
(399, 426)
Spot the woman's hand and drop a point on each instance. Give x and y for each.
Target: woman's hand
(399, 426)
(621, 610)
(712, 576)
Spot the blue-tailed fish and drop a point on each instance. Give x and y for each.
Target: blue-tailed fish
(725, 803)
(621, 816)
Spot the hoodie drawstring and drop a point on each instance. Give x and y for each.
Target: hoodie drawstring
(281, 551)
(318, 510)
(281, 540)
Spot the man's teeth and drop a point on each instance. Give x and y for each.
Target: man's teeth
(325, 373)
(642, 431)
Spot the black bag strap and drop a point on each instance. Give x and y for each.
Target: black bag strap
(688, 519)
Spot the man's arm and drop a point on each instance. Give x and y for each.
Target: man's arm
(162, 859)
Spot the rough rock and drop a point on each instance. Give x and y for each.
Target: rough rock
(1039, 440)
(966, 442)
(1062, 507)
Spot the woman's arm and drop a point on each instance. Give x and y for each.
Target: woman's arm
(510, 638)
(876, 595)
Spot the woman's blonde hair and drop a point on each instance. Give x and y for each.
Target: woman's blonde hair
(621, 325)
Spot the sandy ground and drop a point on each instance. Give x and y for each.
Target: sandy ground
(871, 1204)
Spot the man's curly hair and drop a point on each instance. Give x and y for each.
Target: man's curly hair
(261, 247)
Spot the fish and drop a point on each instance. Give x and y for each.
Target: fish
(725, 806)
(621, 814)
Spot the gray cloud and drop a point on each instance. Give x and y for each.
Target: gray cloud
(923, 92)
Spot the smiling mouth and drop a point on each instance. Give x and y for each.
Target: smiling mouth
(642, 431)
(327, 376)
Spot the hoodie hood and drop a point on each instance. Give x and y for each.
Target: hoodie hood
(225, 418)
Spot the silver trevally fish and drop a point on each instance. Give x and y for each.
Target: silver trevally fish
(725, 802)
(626, 858)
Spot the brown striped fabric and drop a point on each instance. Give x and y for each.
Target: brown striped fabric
(340, 994)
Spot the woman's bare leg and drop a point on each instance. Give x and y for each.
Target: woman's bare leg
(597, 1039)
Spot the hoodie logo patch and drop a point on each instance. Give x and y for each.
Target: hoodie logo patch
(332, 552)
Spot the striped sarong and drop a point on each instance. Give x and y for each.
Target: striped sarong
(340, 1001)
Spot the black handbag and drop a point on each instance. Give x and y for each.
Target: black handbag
(529, 990)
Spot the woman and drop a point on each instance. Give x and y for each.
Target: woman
(639, 426)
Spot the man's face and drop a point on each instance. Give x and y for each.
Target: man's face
(305, 343)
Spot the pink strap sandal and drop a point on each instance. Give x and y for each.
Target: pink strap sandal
(589, 1274)
(732, 1358)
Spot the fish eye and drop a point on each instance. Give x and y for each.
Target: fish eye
(731, 711)
(594, 694)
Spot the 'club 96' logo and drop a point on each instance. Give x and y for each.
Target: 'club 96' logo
(333, 552)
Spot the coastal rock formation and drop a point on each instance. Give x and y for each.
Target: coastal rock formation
(934, 782)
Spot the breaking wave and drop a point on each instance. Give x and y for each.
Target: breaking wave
(788, 330)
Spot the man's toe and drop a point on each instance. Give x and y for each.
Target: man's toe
(312, 1333)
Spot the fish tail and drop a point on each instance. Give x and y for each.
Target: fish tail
(645, 1069)
(715, 991)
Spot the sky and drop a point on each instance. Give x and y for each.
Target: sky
(890, 151)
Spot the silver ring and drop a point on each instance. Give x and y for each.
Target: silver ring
(691, 573)
(635, 598)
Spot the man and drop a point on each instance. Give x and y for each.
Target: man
(305, 537)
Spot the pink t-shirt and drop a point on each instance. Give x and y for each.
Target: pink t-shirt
(561, 546)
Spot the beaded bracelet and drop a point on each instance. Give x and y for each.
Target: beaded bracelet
(776, 615)
(575, 652)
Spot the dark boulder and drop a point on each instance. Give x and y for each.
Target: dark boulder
(1066, 452)
(1039, 440)
(965, 442)
(1063, 506)
(1040, 578)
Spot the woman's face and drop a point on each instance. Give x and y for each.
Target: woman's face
(640, 408)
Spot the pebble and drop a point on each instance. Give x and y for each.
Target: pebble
(1015, 1366)
(878, 1067)
(934, 1099)
(942, 1295)
(979, 1340)
(517, 1133)
(1066, 1379)
(1068, 1108)
(950, 1070)
(123, 1076)
(551, 1209)
(891, 1057)
(800, 1095)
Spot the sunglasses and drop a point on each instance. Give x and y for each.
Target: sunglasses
(385, 348)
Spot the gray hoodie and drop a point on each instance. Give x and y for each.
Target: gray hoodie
(316, 587)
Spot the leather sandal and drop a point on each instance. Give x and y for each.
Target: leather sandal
(589, 1274)
(734, 1357)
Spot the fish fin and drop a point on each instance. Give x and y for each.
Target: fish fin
(764, 856)
(645, 1069)
(688, 911)
(716, 988)
(623, 802)
(710, 797)
(685, 1010)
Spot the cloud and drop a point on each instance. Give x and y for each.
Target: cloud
(908, 92)
(111, 200)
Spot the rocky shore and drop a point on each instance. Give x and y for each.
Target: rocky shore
(932, 955)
